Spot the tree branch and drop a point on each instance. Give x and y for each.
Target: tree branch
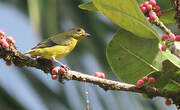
(120, 86)
(19, 59)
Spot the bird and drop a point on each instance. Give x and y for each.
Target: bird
(60, 45)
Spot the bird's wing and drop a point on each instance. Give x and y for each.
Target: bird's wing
(53, 41)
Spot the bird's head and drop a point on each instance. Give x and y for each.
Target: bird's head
(78, 33)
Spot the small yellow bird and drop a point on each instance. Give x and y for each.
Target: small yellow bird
(59, 45)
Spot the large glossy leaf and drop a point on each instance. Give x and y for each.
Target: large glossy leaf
(127, 15)
(168, 17)
(88, 6)
(132, 57)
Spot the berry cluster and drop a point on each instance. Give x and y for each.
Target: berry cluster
(99, 75)
(150, 9)
(62, 70)
(5, 42)
(140, 82)
(168, 38)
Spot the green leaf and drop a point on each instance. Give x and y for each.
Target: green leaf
(88, 6)
(172, 85)
(126, 14)
(164, 76)
(168, 73)
(132, 57)
(172, 58)
(168, 17)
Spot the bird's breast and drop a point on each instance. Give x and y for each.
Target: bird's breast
(65, 50)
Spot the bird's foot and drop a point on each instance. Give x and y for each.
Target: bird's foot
(62, 65)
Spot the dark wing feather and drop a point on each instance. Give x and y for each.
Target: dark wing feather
(44, 44)
(56, 40)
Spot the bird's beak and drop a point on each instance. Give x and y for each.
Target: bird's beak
(86, 34)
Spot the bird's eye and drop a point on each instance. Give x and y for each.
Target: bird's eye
(78, 30)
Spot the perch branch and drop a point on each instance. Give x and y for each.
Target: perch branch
(20, 60)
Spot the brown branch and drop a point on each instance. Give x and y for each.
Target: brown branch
(19, 59)
(120, 86)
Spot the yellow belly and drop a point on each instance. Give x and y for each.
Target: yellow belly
(55, 51)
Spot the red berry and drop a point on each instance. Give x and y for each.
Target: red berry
(5, 45)
(2, 33)
(177, 38)
(171, 36)
(10, 39)
(159, 13)
(2, 41)
(54, 76)
(167, 102)
(145, 78)
(144, 9)
(146, 3)
(102, 75)
(139, 83)
(63, 70)
(8, 63)
(151, 80)
(99, 74)
(33, 56)
(157, 8)
(163, 47)
(164, 37)
(148, 19)
(152, 2)
(152, 15)
(149, 7)
(141, 5)
(55, 70)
